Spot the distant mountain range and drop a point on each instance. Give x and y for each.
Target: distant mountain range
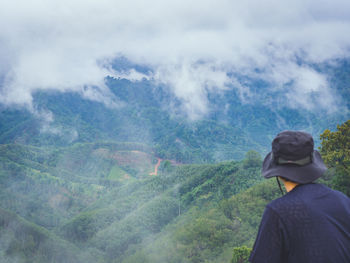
(139, 183)
(149, 114)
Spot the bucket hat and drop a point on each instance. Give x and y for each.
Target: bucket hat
(293, 157)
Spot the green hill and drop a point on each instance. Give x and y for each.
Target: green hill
(139, 183)
(59, 191)
(23, 241)
(62, 208)
(150, 114)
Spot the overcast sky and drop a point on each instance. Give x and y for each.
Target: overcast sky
(67, 45)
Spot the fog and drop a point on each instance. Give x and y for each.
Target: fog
(191, 48)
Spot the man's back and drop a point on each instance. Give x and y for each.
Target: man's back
(309, 224)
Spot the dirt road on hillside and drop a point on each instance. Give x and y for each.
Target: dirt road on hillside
(156, 167)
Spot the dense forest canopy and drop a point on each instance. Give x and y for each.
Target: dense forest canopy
(134, 131)
(90, 203)
(142, 183)
(147, 114)
(335, 151)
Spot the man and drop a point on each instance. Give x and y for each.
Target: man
(311, 223)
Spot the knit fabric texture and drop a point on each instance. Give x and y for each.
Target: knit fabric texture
(311, 223)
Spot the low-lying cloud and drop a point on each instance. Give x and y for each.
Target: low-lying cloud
(190, 46)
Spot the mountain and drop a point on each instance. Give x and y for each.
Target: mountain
(84, 181)
(62, 203)
(57, 206)
(23, 241)
(150, 113)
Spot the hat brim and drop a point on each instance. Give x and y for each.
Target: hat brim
(296, 173)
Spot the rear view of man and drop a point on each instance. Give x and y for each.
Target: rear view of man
(311, 223)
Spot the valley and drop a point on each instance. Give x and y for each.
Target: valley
(140, 183)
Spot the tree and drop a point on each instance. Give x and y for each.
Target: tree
(335, 150)
(252, 159)
(241, 254)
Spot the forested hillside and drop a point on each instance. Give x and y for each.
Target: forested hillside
(135, 131)
(102, 202)
(111, 211)
(148, 113)
(138, 181)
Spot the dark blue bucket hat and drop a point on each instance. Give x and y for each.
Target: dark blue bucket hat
(293, 157)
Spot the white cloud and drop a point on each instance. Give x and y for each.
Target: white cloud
(67, 45)
(130, 74)
(303, 88)
(191, 84)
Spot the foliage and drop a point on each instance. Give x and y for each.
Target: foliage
(252, 159)
(336, 146)
(23, 241)
(204, 237)
(185, 214)
(60, 190)
(80, 229)
(146, 116)
(335, 152)
(241, 254)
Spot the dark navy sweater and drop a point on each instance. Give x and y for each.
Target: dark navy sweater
(311, 223)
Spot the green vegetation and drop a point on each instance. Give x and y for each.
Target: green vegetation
(61, 190)
(147, 116)
(81, 188)
(241, 254)
(22, 241)
(73, 204)
(335, 151)
(117, 173)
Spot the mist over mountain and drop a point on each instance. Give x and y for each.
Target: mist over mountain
(87, 181)
(134, 131)
(175, 77)
(148, 112)
(193, 49)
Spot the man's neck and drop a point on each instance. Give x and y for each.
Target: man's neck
(289, 185)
